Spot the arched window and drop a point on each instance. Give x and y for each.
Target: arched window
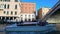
(25, 19)
(5, 6)
(15, 12)
(4, 12)
(15, 6)
(8, 6)
(0, 0)
(11, 12)
(16, 0)
(3, 18)
(11, 18)
(8, 0)
(29, 19)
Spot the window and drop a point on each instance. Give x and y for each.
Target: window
(7, 18)
(32, 15)
(4, 12)
(5, 6)
(11, 12)
(3, 0)
(14, 17)
(11, 18)
(21, 15)
(21, 19)
(8, 6)
(7, 12)
(29, 15)
(7, 0)
(0, 0)
(25, 15)
(15, 12)
(16, 0)
(15, 6)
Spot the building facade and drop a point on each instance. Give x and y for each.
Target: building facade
(15, 10)
(42, 12)
(9, 9)
(28, 11)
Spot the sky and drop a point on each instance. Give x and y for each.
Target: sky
(42, 3)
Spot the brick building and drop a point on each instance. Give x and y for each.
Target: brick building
(42, 12)
(28, 11)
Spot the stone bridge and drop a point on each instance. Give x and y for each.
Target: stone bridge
(53, 16)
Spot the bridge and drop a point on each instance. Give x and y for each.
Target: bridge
(53, 16)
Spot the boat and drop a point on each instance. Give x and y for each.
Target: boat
(30, 29)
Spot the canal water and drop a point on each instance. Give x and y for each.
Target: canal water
(57, 31)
